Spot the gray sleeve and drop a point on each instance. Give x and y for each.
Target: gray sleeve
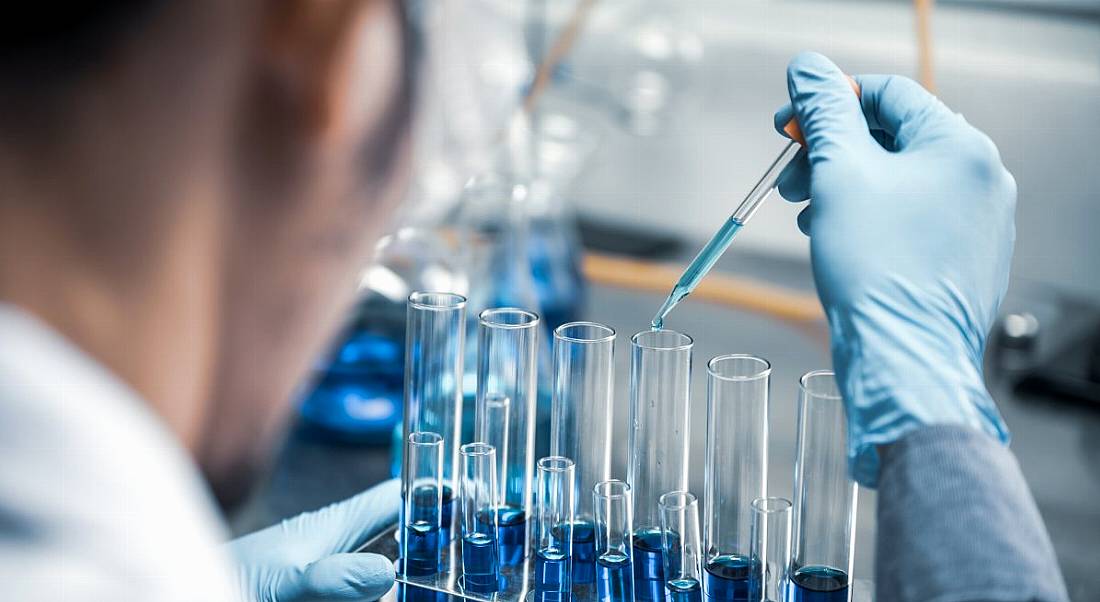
(956, 522)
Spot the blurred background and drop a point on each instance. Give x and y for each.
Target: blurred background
(574, 154)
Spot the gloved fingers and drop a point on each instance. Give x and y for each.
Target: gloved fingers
(781, 117)
(903, 109)
(804, 218)
(347, 525)
(794, 181)
(359, 577)
(829, 114)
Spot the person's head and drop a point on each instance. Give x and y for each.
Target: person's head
(188, 189)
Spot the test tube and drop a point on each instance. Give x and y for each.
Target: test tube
(771, 549)
(680, 541)
(435, 332)
(613, 504)
(736, 470)
(825, 498)
(554, 534)
(507, 356)
(478, 491)
(660, 388)
(492, 419)
(581, 423)
(422, 493)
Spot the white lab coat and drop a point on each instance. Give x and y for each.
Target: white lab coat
(98, 501)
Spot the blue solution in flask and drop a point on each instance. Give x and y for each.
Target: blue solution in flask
(727, 578)
(512, 532)
(584, 552)
(551, 572)
(480, 569)
(421, 537)
(649, 572)
(684, 590)
(816, 583)
(614, 578)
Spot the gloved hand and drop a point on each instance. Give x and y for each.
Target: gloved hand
(911, 232)
(307, 558)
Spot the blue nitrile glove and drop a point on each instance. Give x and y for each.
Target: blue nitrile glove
(309, 557)
(911, 232)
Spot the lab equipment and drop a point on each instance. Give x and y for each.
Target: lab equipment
(910, 289)
(478, 491)
(422, 497)
(680, 544)
(736, 470)
(492, 422)
(581, 423)
(507, 351)
(613, 510)
(554, 533)
(825, 496)
(434, 334)
(771, 549)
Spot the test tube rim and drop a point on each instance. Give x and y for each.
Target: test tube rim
(425, 438)
(763, 373)
(762, 505)
(689, 500)
(459, 301)
(555, 464)
(683, 346)
(809, 392)
(477, 449)
(530, 317)
(609, 336)
(623, 492)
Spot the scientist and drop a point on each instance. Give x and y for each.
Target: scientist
(187, 190)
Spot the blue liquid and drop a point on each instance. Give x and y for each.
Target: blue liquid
(684, 590)
(480, 570)
(698, 268)
(512, 530)
(552, 583)
(727, 578)
(819, 584)
(446, 515)
(614, 578)
(649, 572)
(584, 552)
(422, 554)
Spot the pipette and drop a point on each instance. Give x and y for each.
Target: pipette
(721, 240)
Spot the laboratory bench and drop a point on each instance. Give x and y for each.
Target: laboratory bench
(1057, 443)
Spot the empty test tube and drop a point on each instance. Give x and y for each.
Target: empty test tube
(491, 421)
(422, 495)
(435, 332)
(660, 387)
(825, 497)
(478, 490)
(554, 533)
(736, 471)
(771, 549)
(612, 505)
(581, 423)
(680, 537)
(507, 356)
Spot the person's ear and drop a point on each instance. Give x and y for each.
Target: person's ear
(336, 63)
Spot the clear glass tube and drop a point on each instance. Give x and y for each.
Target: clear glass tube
(478, 491)
(825, 498)
(507, 356)
(680, 543)
(581, 421)
(736, 470)
(422, 495)
(554, 534)
(491, 423)
(613, 506)
(435, 332)
(771, 549)
(660, 389)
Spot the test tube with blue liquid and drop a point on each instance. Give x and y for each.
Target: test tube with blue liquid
(478, 492)
(581, 421)
(825, 497)
(422, 495)
(507, 367)
(613, 505)
(736, 471)
(554, 530)
(771, 549)
(660, 389)
(435, 332)
(680, 542)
